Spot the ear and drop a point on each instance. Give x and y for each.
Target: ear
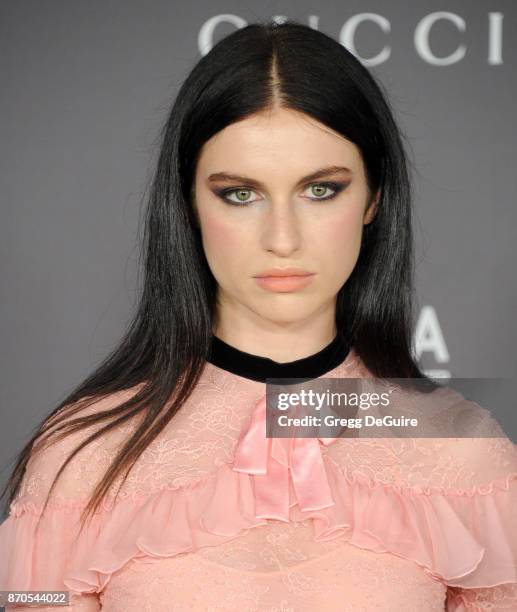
(371, 211)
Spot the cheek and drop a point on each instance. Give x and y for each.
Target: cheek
(221, 241)
(339, 244)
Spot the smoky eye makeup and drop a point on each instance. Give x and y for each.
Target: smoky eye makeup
(336, 187)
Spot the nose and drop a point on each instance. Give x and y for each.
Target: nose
(281, 231)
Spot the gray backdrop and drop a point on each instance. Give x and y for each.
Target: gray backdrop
(85, 89)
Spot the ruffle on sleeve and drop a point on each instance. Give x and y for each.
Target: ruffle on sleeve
(465, 538)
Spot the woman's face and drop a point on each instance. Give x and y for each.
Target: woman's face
(270, 214)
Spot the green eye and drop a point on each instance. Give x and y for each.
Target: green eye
(242, 194)
(319, 190)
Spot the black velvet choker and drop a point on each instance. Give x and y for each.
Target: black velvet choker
(258, 368)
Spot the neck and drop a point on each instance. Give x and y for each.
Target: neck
(258, 368)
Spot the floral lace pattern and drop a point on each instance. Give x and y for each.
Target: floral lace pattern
(275, 566)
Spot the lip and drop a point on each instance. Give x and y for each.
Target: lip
(284, 284)
(283, 272)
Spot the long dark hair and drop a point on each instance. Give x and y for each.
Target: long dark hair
(165, 347)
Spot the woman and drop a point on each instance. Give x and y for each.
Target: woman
(280, 152)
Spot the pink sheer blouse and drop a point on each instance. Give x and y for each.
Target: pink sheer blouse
(392, 524)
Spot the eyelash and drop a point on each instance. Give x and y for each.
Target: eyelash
(336, 187)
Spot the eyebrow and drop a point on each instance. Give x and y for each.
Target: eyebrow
(225, 176)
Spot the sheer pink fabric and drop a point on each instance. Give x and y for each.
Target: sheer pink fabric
(201, 523)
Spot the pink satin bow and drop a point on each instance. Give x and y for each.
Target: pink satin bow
(269, 460)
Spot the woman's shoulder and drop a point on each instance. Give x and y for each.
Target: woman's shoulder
(457, 446)
(201, 434)
(54, 445)
(446, 502)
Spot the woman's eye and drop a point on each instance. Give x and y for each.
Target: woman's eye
(240, 196)
(320, 189)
